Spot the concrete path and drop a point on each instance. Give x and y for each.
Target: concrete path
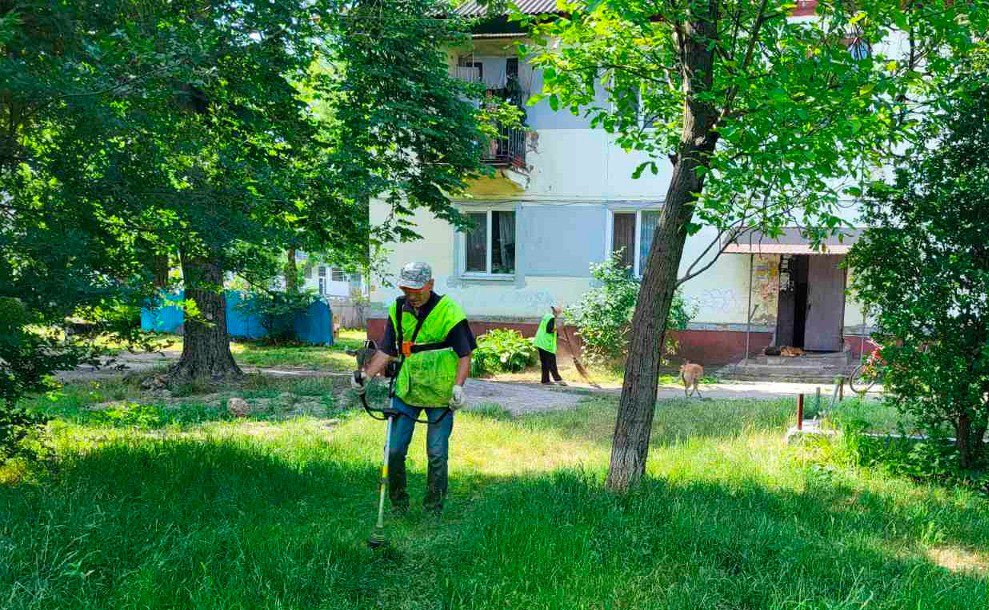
(764, 390)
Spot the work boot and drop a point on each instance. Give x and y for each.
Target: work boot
(436, 484)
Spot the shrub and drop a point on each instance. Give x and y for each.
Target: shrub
(22, 434)
(502, 350)
(277, 311)
(922, 267)
(603, 315)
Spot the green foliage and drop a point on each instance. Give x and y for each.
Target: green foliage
(277, 310)
(502, 350)
(389, 89)
(215, 136)
(22, 434)
(30, 352)
(923, 268)
(129, 414)
(780, 92)
(604, 313)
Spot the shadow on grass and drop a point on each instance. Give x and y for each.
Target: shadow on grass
(232, 524)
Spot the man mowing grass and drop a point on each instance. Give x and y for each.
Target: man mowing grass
(429, 336)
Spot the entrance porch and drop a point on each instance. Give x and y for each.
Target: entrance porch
(801, 294)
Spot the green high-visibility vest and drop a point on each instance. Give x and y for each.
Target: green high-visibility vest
(426, 378)
(546, 340)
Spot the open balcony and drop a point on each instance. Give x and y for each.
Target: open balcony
(507, 150)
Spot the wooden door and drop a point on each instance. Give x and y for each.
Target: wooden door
(825, 304)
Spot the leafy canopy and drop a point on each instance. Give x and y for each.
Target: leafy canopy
(804, 108)
(923, 268)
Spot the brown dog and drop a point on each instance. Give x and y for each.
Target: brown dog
(791, 352)
(691, 375)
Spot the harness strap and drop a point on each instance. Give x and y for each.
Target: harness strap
(399, 335)
(428, 347)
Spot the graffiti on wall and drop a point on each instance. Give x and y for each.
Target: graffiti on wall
(721, 300)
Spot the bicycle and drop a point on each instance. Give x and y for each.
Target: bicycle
(864, 376)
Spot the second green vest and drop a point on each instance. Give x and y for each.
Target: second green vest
(546, 341)
(426, 379)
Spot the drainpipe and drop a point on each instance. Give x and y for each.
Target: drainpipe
(862, 338)
(748, 321)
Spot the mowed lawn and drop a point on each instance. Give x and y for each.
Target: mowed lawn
(178, 506)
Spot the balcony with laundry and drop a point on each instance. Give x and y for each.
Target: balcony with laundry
(499, 76)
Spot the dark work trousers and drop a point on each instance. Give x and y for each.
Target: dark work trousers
(548, 363)
(437, 454)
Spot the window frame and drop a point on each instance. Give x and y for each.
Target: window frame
(610, 235)
(462, 256)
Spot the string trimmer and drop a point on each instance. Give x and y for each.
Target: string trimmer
(386, 414)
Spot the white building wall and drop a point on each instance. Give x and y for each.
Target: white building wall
(570, 164)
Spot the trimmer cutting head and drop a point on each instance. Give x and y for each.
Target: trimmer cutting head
(377, 539)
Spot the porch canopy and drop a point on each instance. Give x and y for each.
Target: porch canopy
(791, 242)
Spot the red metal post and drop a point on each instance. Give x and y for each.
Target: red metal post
(800, 411)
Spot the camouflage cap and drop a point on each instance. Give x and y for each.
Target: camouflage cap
(415, 275)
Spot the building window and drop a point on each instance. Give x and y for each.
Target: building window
(337, 275)
(322, 285)
(631, 234)
(512, 67)
(489, 246)
(623, 237)
(307, 272)
(322, 271)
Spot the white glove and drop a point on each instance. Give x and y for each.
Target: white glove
(358, 381)
(458, 399)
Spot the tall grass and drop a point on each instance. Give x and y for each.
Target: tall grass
(220, 515)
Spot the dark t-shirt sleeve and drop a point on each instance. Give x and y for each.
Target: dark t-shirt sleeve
(461, 339)
(388, 342)
(551, 326)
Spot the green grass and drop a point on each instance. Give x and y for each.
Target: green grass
(871, 415)
(308, 357)
(274, 513)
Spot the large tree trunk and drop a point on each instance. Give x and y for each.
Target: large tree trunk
(291, 273)
(206, 345)
(160, 270)
(638, 401)
(969, 440)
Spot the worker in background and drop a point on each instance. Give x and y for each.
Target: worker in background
(434, 342)
(545, 342)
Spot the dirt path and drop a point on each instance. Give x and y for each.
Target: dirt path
(142, 362)
(518, 398)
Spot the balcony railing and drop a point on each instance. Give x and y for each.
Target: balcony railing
(507, 150)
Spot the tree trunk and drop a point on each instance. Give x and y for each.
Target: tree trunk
(969, 440)
(291, 273)
(633, 426)
(160, 270)
(206, 345)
